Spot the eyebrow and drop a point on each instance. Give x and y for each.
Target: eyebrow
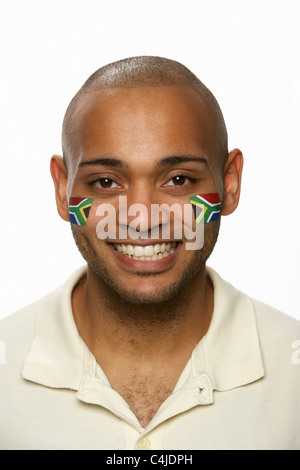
(167, 161)
(174, 160)
(104, 162)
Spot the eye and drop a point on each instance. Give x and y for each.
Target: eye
(179, 180)
(106, 183)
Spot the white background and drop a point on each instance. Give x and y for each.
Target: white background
(246, 52)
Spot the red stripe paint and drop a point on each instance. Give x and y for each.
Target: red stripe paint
(212, 198)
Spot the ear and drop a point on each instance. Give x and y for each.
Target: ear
(232, 181)
(60, 179)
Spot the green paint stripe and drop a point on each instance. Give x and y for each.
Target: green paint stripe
(77, 212)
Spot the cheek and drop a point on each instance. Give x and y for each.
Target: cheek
(207, 207)
(79, 210)
(90, 247)
(210, 236)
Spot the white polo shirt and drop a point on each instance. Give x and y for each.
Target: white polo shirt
(239, 390)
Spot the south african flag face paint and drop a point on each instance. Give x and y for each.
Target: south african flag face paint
(207, 207)
(79, 208)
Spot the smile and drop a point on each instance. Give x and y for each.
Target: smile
(146, 253)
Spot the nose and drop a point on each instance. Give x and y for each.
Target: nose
(136, 212)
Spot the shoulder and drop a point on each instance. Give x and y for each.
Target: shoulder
(277, 334)
(279, 342)
(22, 322)
(19, 326)
(271, 322)
(279, 338)
(16, 337)
(24, 318)
(18, 329)
(275, 324)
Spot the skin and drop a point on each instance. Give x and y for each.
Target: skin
(143, 319)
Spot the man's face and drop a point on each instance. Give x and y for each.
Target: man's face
(154, 145)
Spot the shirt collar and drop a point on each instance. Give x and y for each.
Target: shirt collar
(231, 346)
(229, 353)
(57, 355)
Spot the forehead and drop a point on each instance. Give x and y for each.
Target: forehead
(143, 123)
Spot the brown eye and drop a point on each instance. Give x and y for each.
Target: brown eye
(106, 183)
(179, 180)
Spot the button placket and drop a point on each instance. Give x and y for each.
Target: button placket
(144, 444)
(205, 391)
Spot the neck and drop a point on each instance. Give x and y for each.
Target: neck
(110, 325)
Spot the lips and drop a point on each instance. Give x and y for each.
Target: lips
(147, 252)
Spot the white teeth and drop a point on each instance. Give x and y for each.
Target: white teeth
(146, 253)
(148, 250)
(129, 249)
(157, 248)
(138, 251)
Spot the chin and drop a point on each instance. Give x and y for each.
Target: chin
(137, 294)
(149, 290)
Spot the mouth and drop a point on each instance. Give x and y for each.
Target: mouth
(148, 252)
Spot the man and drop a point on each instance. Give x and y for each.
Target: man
(146, 347)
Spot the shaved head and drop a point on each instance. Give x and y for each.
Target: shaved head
(139, 72)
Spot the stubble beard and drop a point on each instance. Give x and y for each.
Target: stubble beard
(161, 305)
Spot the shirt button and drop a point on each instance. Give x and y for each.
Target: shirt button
(144, 444)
